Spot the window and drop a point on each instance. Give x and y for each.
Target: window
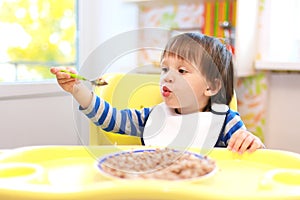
(35, 35)
(279, 35)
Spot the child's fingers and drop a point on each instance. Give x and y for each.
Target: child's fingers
(248, 142)
(257, 144)
(254, 146)
(242, 141)
(53, 70)
(236, 141)
(67, 84)
(231, 143)
(64, 80)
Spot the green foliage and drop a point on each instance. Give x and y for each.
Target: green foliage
(51, 25)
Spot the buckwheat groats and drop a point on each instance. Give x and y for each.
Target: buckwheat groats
(166, 164)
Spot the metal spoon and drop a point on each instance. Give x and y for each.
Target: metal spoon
(97, 82)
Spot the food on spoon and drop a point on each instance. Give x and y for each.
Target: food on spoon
(100, 82)
(167, 164)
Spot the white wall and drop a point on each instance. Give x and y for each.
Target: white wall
(283, 112)
(36, 114)
(101, 20)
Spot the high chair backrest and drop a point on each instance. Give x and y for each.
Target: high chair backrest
(129, 91)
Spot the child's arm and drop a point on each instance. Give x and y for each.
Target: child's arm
(79, 91)
(126, 121)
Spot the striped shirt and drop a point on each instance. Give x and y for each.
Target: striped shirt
(132, 121)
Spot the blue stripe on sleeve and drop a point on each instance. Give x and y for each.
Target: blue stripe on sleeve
(94, 111)
(104, 114)
(141, 126)
(112, 122)
(225, 136)
(230, 116)
(146, 114)
(233, 129)
(123, 121)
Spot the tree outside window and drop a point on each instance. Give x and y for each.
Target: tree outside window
(35, 35)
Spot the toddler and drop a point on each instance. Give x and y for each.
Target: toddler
(196, 72)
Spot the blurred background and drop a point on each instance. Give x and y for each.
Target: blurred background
(36, 34)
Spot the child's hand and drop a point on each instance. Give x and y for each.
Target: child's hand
(243, 140)
(64, 80)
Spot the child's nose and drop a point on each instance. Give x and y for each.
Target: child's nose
(169, 77)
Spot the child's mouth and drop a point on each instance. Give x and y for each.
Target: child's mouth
(166, 91)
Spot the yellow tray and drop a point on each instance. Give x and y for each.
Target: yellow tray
(70, 172)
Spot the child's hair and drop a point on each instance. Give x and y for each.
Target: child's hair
(210, 56)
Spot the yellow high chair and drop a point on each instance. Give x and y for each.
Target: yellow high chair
(129, 91)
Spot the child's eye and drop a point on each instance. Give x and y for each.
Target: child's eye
(164, 69)
(182, 71)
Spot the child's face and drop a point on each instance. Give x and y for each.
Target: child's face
(182, 85)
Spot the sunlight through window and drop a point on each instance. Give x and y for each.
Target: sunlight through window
(36, 35)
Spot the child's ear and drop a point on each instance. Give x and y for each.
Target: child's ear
(214, 88)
